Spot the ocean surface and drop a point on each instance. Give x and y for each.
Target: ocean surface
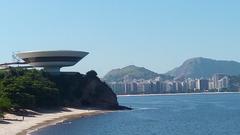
(202, 114)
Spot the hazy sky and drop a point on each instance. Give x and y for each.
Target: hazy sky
(156, 34)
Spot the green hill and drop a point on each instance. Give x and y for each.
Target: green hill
(204, 67)
(131, 72)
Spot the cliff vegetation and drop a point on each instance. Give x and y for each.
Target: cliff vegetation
(33, 89)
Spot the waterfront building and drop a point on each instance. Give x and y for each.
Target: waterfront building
(147, 87)
(184, 87)
(134, 88)
(118, 87)
(127, 88)
(191, 84)
(211, 85)
(177, 87)
(223, 83)
(202, 84)
(156, 86)
(169, 87)
(216, 79)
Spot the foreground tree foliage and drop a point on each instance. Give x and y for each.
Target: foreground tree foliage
(5, 104)
(28, 89)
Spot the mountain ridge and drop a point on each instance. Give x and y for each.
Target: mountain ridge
(205, 67)
(196, 67)
(129, 73)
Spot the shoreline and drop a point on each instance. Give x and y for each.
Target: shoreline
(178, 94)
(33, 123)
(58, 120)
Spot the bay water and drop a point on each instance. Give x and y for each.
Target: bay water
(187, 114)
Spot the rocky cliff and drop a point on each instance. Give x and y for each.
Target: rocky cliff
(33, 89)
(85, 90)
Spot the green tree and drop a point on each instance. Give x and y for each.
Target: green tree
(5, 104)
(29, 89)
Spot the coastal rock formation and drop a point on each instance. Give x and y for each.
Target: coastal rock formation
(34, 89)
(98, 93)
(85, 90)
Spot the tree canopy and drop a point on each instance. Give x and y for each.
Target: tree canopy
(28, 89)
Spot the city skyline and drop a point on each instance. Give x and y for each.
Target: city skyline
(157, 35)
(158, 85)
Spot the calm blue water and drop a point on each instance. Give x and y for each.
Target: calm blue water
(161, 115)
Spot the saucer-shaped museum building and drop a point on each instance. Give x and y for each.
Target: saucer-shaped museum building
(52, 61)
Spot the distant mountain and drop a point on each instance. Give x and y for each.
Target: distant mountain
(204, 67)
(129, 73)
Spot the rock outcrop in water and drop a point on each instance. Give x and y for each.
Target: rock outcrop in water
(98, 93)
(85, 90)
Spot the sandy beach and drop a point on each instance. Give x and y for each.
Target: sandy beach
(15, 125)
